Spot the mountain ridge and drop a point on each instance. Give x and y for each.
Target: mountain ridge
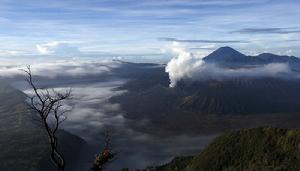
(227, 54)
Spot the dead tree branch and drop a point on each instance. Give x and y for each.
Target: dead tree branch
(48, 105)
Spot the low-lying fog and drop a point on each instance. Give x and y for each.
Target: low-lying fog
(91, 113)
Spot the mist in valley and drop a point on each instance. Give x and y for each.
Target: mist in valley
(91, 110)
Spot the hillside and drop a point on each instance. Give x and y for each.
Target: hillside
(23, 145)
(265, 149)
(242, 96)
(177, 164)
(18, 136)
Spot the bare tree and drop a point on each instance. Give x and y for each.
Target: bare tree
(47, 103)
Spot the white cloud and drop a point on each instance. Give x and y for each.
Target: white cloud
(47, 48)
(208, 46)
(57, 48)
(73, 68)
(9, 52)
(289, 52)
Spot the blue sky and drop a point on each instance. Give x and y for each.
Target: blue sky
(147, 27)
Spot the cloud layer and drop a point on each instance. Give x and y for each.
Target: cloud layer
(90, 110)
(59, 68)
(267, 30)
(170, 39)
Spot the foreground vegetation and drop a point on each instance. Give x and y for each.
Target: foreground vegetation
(248, 150)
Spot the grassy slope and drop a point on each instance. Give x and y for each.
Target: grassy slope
(17, 133)
(265, 149)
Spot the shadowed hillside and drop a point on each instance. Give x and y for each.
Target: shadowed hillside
(255, 149)
(18, 136)
(23, 144)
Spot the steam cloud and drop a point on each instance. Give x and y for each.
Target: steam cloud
(183, 65)
(186, 65)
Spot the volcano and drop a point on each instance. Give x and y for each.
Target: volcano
(193, 102)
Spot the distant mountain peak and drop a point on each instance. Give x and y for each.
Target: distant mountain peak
(226, 54)
(226, 48)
